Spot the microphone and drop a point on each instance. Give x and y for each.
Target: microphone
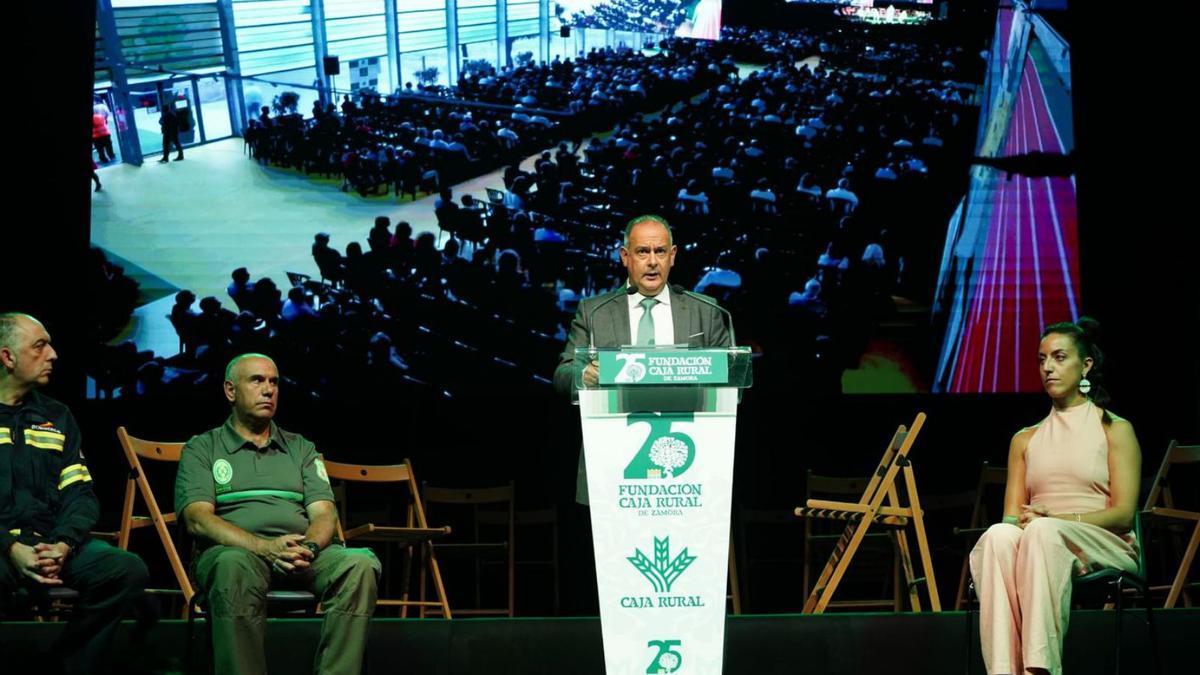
(629, 290)
(696, 296)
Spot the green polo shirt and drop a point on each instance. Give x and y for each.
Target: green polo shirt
(261, 490)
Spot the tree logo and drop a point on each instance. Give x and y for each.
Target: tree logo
(667, 660)
(663, 571)
(665, 453)
(633, 371)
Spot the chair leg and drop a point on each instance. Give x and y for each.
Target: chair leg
(478, 582)
(959, 597)
(407, 580)
(424, 571)
(1117, 616)
(1153, 633)
(208, 637)
(387, 567)
(807, 567)
(554, 564)
(910, 577)
(970, 590)
(840, 549)
(918, 524)
(189, 665)
(188, 653)
(1184, 565)
(735, 590)
(897, 595)
(438, 586)
(835, 575)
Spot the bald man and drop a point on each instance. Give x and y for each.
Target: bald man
(47, 506)
(258, 500)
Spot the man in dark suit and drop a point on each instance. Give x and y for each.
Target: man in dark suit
(655, 315)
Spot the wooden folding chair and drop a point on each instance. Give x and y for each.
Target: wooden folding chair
(734, 596)
(832, 487)
(765, 538)
(869, 510)
(990, 477)
(136, 450)
(497, 515)
(415, 531)
(541, 556)
(1161, 507)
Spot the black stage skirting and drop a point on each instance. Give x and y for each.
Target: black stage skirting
(755, 645)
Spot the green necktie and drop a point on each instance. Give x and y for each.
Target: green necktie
(645, 334)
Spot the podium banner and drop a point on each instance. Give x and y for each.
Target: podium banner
(664, 367)
(660, 487)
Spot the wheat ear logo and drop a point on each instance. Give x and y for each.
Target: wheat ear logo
(662, 571)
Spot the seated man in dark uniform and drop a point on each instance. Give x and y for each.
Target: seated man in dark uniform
(47, 506)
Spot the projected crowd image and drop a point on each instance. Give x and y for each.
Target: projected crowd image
(679, 18)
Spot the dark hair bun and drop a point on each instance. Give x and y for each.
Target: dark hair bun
(1090, 328)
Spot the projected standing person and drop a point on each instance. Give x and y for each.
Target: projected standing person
(170, 123)
(703, 20)
(1068, 509)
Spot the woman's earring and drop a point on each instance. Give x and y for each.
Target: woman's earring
(1085, 386)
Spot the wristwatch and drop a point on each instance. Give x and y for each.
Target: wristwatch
(311, 546)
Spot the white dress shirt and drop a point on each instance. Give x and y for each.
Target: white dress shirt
(664, 326)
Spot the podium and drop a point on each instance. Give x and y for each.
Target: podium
(658, 437)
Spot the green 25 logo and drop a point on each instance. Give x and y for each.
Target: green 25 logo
(667, 660)
(666, 453)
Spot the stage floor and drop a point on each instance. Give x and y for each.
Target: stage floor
(832, 644)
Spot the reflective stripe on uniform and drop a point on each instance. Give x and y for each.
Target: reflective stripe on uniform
(246, 494)
(73, 474)
(47, 440)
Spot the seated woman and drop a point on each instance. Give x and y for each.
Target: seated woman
(1068, 509)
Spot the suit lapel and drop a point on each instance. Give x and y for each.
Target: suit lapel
(682, 315)
(618, 313)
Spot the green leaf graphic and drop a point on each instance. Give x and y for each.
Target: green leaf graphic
(662, 553)
(681, 563)
(643, 565)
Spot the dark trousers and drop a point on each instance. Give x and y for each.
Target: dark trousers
(108, 579)
(104, 149)
(236, 582)
(170, 139)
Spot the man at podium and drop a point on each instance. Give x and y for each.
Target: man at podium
(646, 311)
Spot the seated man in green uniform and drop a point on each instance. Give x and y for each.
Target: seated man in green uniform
(258, 500)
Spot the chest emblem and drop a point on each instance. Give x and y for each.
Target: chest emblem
(222, 472)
